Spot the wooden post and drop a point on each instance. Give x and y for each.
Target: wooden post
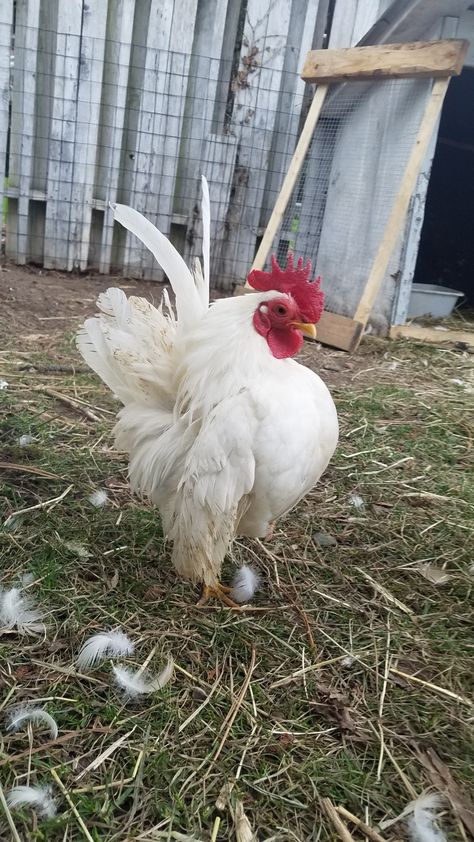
(22, 126)
(6, 19)
(402, 200)
(114, 93)
(291, 177)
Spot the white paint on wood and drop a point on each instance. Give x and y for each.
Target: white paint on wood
(22, 130)
(62, 134)
(352, 20)
(306, 32)
(88, 98)
(112, 118)
(256, 88)
(160, 115)
(219, 153)
(201, 93)
(6, 18)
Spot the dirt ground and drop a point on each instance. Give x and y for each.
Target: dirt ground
(43, 303)
(43, 308)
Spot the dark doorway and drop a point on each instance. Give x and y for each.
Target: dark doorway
(446, 254)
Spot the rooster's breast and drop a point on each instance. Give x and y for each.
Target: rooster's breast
(296, 437)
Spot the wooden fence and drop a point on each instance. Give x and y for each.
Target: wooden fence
(130, 100)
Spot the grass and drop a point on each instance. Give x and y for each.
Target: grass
(324, 714)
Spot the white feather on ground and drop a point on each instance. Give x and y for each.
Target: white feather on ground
(357, 501)
(111, 644)
(244, 585)
(430, 802)
(16, 611)
(98, 498)
(21, 716)
(137, 683)
(38, 797)
(422, 825)
(25, 440)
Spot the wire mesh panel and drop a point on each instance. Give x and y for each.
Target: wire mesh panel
(341, 204)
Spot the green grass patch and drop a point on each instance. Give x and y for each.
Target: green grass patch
(362, 658)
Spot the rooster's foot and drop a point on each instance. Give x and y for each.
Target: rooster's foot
(217, 591)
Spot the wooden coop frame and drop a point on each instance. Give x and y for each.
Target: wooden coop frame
(437, 60)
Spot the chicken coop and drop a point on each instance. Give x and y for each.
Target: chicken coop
(131, 100)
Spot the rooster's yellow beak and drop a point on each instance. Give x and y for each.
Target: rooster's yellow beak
(306, 328)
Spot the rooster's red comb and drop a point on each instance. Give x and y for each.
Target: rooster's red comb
(294, 280)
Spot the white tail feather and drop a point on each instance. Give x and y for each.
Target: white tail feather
(19, 717)
(33, 796)
(112, 644)
(244, 585)
(188, 302)
(139, 684)
(129, 345)
(206, 238)
(16, 611)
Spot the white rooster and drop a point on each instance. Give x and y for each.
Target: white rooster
(224, 431)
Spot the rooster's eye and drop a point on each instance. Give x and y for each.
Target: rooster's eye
(280, 310)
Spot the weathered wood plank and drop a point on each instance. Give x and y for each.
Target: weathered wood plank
(420, 59)
(89, 89)
(219, 153)
(307, 30)
(6, 19)
(60, 154)
(201, 94)
(339, 331)
(431, 334)
(256, 89)
(22, 127)
(112, 119)
(160, 116)
(353, 19)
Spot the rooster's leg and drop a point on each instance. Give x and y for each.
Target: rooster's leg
(270, 531)
(217, 591)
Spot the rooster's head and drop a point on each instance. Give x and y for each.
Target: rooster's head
(282, 320)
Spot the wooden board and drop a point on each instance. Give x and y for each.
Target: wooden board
(430, 334)
(339, 331)
(6, 19)
(22, 127)
(305, 32)
(154, 129)
(60, 150)
(88, 106)
(420, 59)
(114, 101)
(256, 88)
